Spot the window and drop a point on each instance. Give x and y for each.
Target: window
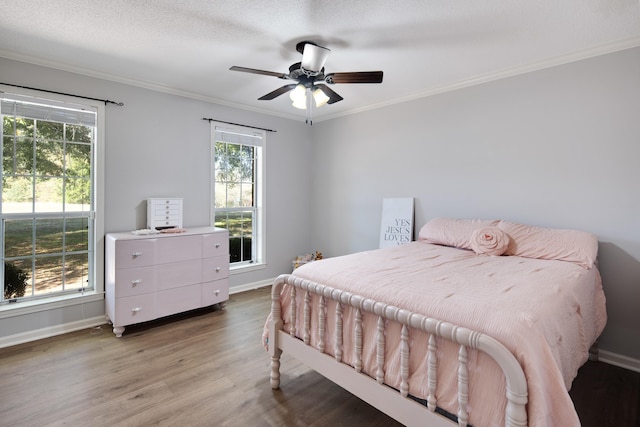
(238, 183)
(47, 212)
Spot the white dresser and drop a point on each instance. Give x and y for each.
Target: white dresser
(156, 275)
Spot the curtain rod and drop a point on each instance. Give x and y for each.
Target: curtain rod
(237, 124)
(106, 101)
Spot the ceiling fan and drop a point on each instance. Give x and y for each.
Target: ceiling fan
(308, 73)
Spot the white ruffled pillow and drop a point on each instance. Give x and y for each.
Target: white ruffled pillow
(489, 241)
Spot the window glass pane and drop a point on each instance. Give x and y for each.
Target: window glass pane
(247, 224)
(76, 273)
(77, 234)
(220, 220)
(247, 171)
(78, 195)
(17, 279)
(221, 195)
(49, 235)
(234, 223)
(78, 133)
(17, 194)
(247, 195)
(51, 130)
(49, 155)
(18, 126)
(234, 196)
(17, 156)
(48, 195)
(48, 275)
(18, 237)
(78, 160)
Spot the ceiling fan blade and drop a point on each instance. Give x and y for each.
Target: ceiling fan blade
(277, 92)
(314, 57)
(333, 97)
(254, 71)
(354, 77)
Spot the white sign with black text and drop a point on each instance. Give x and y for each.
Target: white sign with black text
(396, 227)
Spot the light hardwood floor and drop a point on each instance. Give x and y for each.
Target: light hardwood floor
(208, 368)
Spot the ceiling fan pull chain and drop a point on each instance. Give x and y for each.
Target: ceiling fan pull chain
(309, 100)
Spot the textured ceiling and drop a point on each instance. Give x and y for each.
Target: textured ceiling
(423, 46)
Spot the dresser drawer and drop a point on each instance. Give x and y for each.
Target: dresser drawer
(178, 248)
(135, 281)
(177, 274)
(177, 300)
(134, 309)
(167, 207)
(215, 244)
(135, 253)
(215, 268)
(215, 292)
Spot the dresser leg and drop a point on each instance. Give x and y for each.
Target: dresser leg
(118, 330)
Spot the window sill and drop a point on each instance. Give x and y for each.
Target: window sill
(245, 268)
(36, 306)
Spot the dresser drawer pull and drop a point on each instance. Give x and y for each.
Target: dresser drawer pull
(136, 282)
(217, 245)
(217, 292)
(136, 254)
(136, 309)
(217, 269)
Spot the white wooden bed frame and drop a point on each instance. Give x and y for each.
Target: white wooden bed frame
(394, 403)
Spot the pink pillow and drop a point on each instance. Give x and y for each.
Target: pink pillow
(489, 241)
(452, 232)
(553, 244)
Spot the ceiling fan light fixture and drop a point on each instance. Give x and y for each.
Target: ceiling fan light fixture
(320, 97)
(300, 105)
(298, 94)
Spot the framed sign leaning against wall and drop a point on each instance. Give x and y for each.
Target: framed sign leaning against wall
(396, 226)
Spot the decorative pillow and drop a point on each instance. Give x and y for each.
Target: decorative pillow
(528, 241)
(452, 232)
(489, 241)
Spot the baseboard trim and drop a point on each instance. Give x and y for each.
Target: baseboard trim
(619, 360)
(51, 331)
(251, 286)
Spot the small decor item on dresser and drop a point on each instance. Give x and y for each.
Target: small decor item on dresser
(164, 213)
(303, 259)
(172, 230)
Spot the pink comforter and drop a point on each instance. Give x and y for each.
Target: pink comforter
(548, 313)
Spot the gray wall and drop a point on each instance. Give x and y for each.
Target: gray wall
(157, 145)
(556, 148)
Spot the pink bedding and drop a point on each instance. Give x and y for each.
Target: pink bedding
(548, 313)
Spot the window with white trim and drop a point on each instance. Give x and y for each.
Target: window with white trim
(238, 190)
(47, 211)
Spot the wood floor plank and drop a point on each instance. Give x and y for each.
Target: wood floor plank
(208, 367)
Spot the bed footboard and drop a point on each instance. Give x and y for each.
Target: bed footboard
(372, 390)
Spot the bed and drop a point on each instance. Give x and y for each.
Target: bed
(476, 323)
